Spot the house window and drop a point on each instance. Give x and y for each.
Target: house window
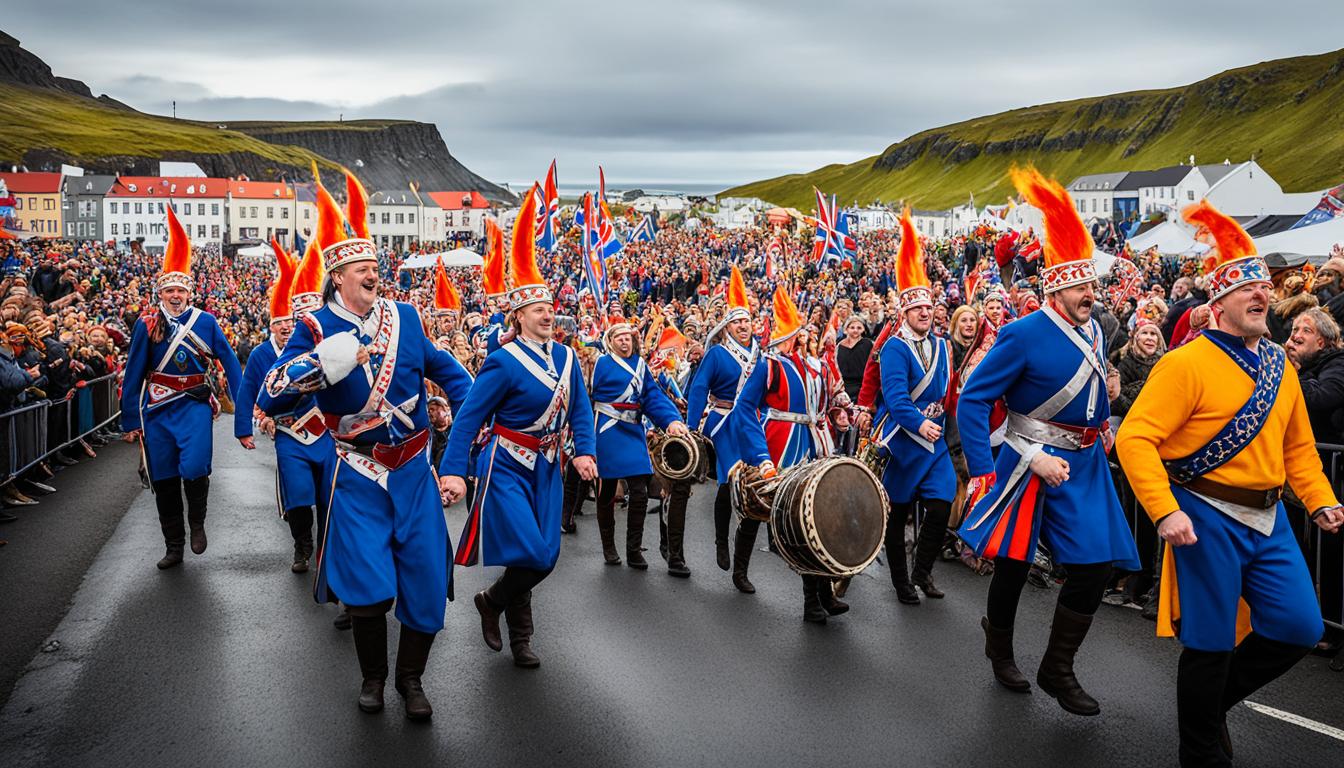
(32, 203)
(410, 218)
(401, 218)
(48, 204)
(139, 207)
(214, 209)
(114, 230)
(270, 212)
(284, 213)
(70, 229)
(448, 217)
(214, 231)
(1190, 194)
(254, 212)
(139, 228)
(200, 231)
(387, 218)
(160, 209)
(200, 211)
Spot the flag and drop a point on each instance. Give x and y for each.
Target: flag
(606, 243)
(646, 231)
(601, 185)
(832, 240)
(548, 212)
(773, 251)
(594, 267)
(1331, 205)
(300, 245)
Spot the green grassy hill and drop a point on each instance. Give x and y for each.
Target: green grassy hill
(1287, 113)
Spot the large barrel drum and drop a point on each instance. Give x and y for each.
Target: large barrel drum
(828, 517)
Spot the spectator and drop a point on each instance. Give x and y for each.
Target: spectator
(1315, 350)
(852, 355)
(1134, 361)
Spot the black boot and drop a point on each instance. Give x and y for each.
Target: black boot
(1055, 675)
(676, 530)
(342, 621)
(723, 509)
(743, 544)
(606, 527)
(1201, 679)
(826, 593)
(895, 543)
(813, 612)
(999, 651)
(489, 610)
(300, 521)
(168, 500)
(519, 617)
(931, 534)
(412, 656)
(370, 634)
(572, 498)
(635, 510)
(197, 491)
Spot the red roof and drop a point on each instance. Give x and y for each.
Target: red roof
(180, 187)
(456, 201)
(261, 190)
(35, 183)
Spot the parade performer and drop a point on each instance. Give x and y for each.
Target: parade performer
(723, 371)
(623, 392)
(915, 368)
(385, 539)
(168, 399)
(527, 392)
(676, 493)
(780, 421)
(303, 448)
(1051, 479)
(1218, 428)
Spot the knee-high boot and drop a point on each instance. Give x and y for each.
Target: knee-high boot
(676, 529)
(723, 510)
(412, 656)
(636, 509)
(1056, 676)
(896, 560)
(518, 614)
(606, 520)
(813, 612)
(742, 547)
(370, 633)
(300, 521)
(168, 500)
(931, 534)
(197, 491)
(1201, 679)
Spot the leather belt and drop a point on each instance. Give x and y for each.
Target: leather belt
(1066, 436)
(1245, 497)
(535, 443)
(626, 412)
(392, 455)
(790, 416)
(720, 405)
(311, 422)
(177, 383)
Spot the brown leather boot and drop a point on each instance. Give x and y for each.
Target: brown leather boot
(489, 611)
(412, 656)
(370, 633)
(1055, 675)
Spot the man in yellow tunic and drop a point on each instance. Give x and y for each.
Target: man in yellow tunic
(1216, 430)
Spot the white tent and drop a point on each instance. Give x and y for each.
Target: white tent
(258, 251)
(1313, 240)
(1168, 238)
(458, 257)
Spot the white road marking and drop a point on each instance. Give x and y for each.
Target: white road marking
(1289, 717)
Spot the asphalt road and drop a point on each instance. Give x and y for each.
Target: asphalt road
(227, 661)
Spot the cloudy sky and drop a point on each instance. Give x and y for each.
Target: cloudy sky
(711, 91)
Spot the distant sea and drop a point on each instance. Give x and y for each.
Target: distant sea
(651, 187)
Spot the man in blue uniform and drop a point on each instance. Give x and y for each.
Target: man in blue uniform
(168, 400)
(1051, 479)
(303, 448)
(915, 373)
(528, 392)
(385, 539)
(623, 392)
(714, 387)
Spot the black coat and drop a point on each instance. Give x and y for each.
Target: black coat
(1322, 377)
(1134, 372)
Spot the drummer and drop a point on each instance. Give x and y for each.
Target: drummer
(915, 374)
(779, 422)
(624, 390)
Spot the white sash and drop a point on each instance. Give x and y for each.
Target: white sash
(559, 401)
(1081, 378)
(183, 329)
(939, 351)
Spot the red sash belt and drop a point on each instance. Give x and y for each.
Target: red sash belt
(1087, 436)
(177, 383)
(313, 423)
(393, 456)
(530, 442)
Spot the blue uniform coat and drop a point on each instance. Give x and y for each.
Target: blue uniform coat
(621, 447)
(917, 468)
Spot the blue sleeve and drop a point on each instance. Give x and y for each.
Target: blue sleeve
(444, 369)
(490, 387)
(746, 415)
(233, 372)
(986, 384)
(895, 367)
(275, 400)
(698, 395)
(655, 403)
(137, 368)
(581, 414)
(247, 394)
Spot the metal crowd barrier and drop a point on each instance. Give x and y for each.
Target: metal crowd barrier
(34, 431)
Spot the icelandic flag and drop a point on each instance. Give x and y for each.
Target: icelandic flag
(548, 212)
(646, 231)
(594, 267)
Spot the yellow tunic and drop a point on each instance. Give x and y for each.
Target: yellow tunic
(1191, 394)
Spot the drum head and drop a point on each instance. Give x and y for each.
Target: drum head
(677, 456)
(847, 511)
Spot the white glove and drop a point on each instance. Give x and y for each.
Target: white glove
(337, 354)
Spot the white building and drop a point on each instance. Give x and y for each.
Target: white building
(261, 210)
(874, 218)
(661, 204)
(463, 213)
(1094, 194)
(397, 219)
(1249, 190)
(133, 209)
(754, 203)
(931, 224)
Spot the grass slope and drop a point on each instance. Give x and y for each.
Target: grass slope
(1285, 112)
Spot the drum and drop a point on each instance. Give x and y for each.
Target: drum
(828, 517)
(682, 458)
(751, 494)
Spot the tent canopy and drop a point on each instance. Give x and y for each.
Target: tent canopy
(1168, 238)
(1312, 240)
(458, 257)
(258, 251)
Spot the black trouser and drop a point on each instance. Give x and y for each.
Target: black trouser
(931, 533)
(300, 521)
(672, 519)
(168, 500)
(723, 512)
(1081, 593)
(636, 508)
(515, 585)
(576, 492)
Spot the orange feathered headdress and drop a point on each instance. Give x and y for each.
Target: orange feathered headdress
(671, 344)
(787, 319)
(446, 299)
(176, 270)
(739, 307)
(281, 308)
(356, 206)
(911, 278)
(529, 287)
(1234, 256)
(338, 247)
(493, 273)
(1068, 246)
(306, 290)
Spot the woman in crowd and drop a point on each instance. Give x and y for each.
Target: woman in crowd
(851, 355)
